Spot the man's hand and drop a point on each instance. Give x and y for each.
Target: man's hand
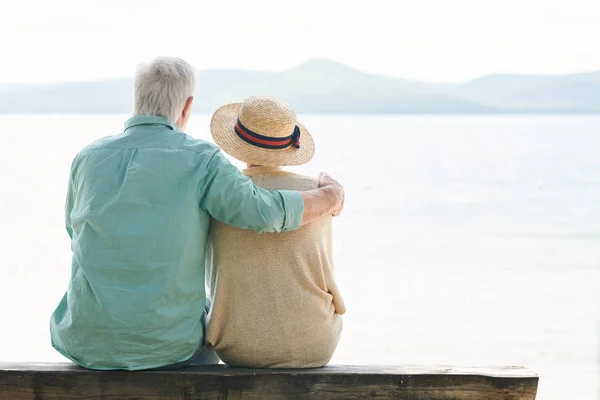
(326, 181)
(328, 199)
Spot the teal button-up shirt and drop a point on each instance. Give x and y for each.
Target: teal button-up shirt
(137, 212)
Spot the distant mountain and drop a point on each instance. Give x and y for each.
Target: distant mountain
(568, 93)
(324, 86)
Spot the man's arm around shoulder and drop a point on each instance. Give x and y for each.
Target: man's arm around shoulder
(230, 197)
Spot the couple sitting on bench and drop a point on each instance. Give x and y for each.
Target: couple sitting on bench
(152, 212)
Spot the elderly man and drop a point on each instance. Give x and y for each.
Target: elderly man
(137, 211)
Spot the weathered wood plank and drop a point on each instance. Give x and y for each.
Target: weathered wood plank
(66, 381)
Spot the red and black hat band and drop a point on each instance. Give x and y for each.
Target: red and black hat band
(267, 142)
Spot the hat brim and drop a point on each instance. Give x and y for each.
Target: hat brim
(222, 132)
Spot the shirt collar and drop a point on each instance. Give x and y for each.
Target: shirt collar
(260, 170)
(150, 120)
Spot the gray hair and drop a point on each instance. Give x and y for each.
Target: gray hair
(162, 87)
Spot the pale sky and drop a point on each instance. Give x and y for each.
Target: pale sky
(432, 40)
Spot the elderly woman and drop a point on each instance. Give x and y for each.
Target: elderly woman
(275, 301)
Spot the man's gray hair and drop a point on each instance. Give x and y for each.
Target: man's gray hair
(162, 87)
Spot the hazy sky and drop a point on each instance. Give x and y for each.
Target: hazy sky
(433, 40)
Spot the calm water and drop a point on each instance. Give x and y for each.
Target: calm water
(465, 240)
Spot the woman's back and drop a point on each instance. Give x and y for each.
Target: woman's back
(275, 301)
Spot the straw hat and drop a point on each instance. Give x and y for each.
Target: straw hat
(262, 131)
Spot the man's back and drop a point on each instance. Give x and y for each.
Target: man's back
(136, 295)
(275, 301)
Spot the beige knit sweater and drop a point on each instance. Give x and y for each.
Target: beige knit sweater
(275, 303)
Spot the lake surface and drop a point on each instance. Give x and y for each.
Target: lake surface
(464, 240)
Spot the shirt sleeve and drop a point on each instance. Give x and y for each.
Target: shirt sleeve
(69, 201)
(232, 198)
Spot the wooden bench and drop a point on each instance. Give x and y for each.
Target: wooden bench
(66, 381)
